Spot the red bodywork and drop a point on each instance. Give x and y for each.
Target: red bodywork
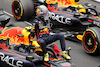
(9, 36)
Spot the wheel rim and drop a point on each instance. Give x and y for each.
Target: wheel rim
(89, 41)
(16, 9)
(95, 13)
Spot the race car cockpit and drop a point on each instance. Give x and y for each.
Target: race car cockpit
(80, 10)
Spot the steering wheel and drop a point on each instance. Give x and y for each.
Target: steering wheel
(92, 11)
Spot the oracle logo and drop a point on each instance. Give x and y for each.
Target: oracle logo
(11, 61)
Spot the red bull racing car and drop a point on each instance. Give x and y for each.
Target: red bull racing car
(74, 20)
(17, 48)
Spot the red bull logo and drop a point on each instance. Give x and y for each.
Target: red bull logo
(37, 11)
(45, 29)
(52, 8)
(63, 2)
(12, 35)
(45, 10)
(60, 3)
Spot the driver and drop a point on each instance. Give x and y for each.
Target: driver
(42, 32)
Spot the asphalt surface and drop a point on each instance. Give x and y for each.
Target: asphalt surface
(79, 57)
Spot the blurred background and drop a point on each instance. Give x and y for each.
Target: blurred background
(79, 57)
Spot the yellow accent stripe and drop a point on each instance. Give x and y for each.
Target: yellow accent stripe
(91, 31)
(79, 37)
(21, 9)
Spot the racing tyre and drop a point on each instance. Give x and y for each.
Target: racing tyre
(22, 9)
(91, 40)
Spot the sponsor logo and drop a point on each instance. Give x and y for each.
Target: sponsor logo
(60, 2)
(10, 60)
(60, 19)
(12, 33)
(96, 23)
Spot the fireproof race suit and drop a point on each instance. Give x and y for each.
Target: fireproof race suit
(43, 36)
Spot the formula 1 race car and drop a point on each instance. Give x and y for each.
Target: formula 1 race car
(17, 48)
(75, 21)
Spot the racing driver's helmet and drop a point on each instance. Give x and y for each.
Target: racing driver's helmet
(42, 11)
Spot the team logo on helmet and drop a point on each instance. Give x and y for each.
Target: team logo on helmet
(45, 10)
(37, 11)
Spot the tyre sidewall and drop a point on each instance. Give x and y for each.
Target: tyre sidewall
(27, 9)
(95, 31)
